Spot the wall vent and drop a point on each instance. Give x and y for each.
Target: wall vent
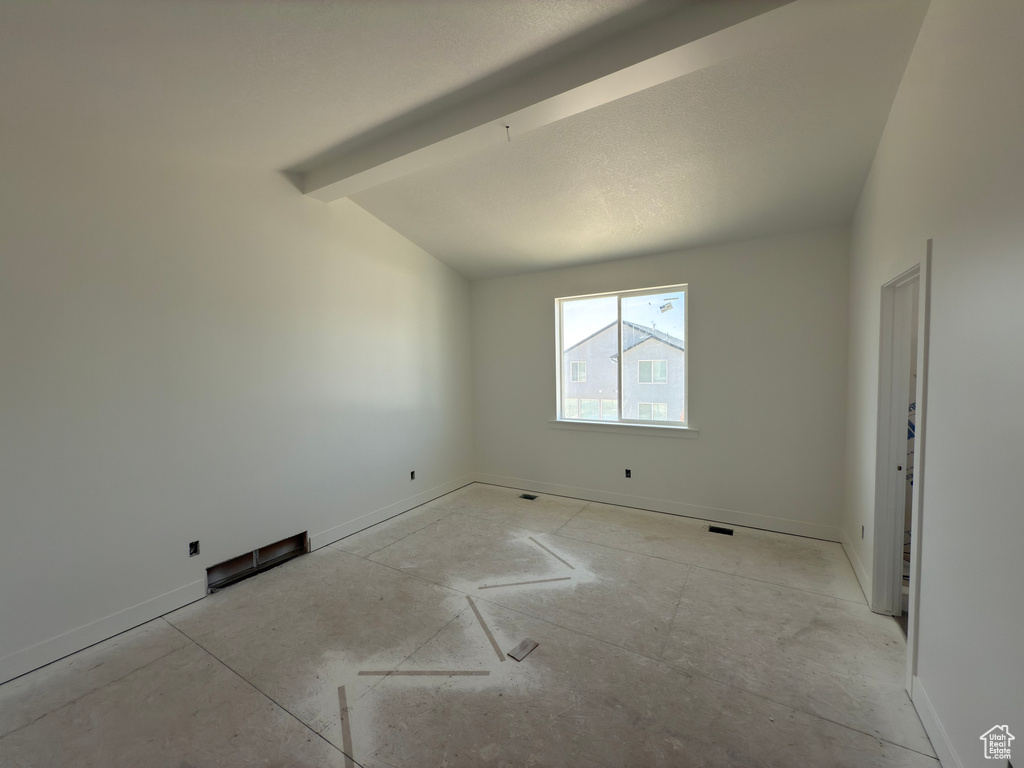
(259, 560)
(719, 529)
(527, 496)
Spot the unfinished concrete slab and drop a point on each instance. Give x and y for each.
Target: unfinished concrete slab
(794, 561)
(183, 709)
(659, 645)
(578, 701)
(505, 505)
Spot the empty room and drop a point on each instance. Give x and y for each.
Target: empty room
(414, 383)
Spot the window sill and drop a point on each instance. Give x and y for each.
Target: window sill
(624, 429)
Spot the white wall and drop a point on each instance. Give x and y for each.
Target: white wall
(951, 167)
(202, 353)
(767, 386)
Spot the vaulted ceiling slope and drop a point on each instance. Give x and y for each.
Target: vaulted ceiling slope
(770, 132)
(258, 83)
(636, 127)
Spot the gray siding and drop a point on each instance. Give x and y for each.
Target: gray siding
(599, 353)
(669, 392)
(602, 371)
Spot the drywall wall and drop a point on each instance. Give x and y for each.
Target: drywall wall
(950, 167)
(767, 377)
(202, 353)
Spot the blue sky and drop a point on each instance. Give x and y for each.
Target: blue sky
(583, 317)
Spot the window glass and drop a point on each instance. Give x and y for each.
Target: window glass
(653, 342)
(623, 356)
(653, 411)
(660, 371)
(570, 410)
(610, 410)
(653, 372)
(646, 371)
(590, 409)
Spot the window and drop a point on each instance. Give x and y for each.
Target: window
(653, 372)
(622, 357)
(590, 409)
(653, 411)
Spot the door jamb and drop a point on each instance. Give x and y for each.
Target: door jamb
(917, 503)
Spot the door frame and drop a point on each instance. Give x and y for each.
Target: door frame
(887, 578)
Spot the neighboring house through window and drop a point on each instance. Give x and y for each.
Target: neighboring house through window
(609, 410)
(623, 356)
(653, 411)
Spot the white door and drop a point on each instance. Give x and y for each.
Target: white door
(896, 393)
(902, 381)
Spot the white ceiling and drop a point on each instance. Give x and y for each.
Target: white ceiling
(768, 140)
(776, 140)
(260, 83)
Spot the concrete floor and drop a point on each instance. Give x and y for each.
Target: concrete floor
(661, 644)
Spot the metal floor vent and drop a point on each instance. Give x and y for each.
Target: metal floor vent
(259, 560)
(719, 529)
(527, 496)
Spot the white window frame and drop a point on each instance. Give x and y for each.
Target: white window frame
(575, 367)
(677, 428)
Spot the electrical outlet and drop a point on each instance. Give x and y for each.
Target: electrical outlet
(862, 531)
(193, 548)
(629, 473)
(412, 475)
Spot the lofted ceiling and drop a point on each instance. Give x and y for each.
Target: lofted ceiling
(635, 127)
(258, 83)
(772, 139)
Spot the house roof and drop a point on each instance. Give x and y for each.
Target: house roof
(637, 334)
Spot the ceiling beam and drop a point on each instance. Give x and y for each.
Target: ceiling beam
(647, 46)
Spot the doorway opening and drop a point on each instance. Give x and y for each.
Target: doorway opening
(900, 451)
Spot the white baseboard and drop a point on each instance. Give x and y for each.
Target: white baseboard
(858, 567)
(46, 651)
(714, 514)
(948, 758)
(322, 539)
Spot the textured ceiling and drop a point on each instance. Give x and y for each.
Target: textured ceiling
(774, 141)
(260, 83)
